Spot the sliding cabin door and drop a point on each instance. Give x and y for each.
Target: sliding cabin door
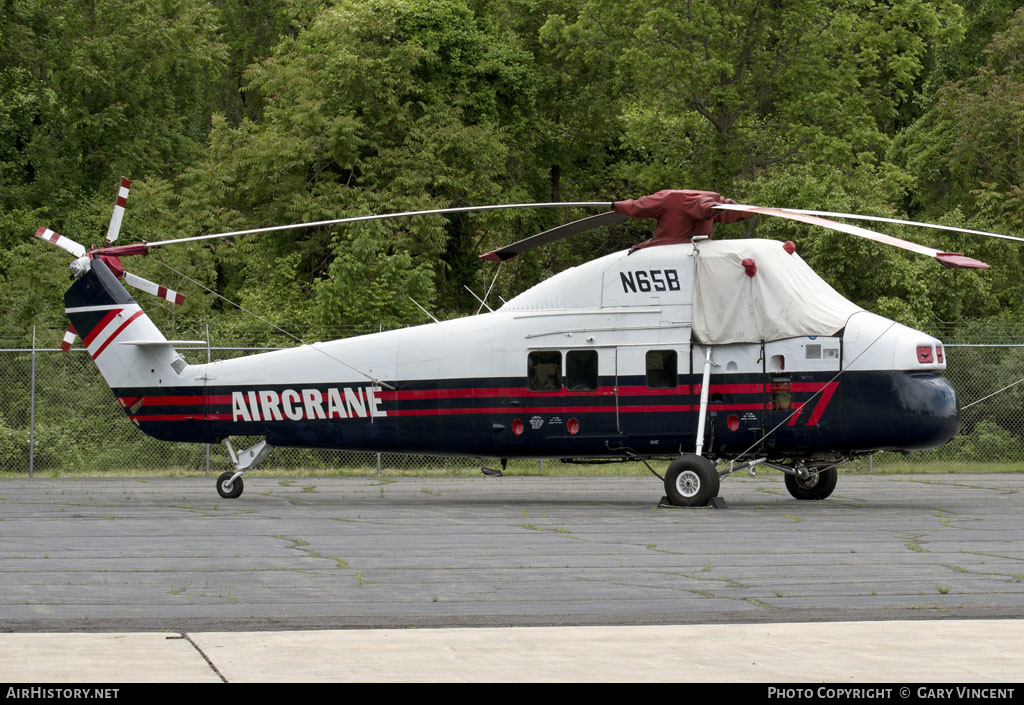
(653, 397)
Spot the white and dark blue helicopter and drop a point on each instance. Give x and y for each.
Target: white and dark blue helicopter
(723, 355)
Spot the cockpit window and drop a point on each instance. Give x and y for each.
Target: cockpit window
(544, 371)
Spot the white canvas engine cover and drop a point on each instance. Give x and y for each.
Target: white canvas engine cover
(784, 298)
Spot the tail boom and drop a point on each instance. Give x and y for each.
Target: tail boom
(111, 324)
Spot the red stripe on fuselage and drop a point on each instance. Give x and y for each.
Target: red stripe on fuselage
(181, 417)
(509, 411)
(185, 400)
(443, 412)
(826, 397)
(461, 393)
(827, 389)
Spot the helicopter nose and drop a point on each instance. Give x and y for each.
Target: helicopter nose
(928, 410)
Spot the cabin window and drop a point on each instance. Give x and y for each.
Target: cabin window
(581, 370)
(661, 369)
(544, 371)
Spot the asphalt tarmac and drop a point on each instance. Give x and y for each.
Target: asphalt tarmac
(156, 557)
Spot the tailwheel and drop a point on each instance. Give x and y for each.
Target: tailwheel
(817, 485)
(691, 481)
(229, 486)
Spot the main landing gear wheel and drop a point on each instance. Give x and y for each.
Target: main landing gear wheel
(815, 486)
(691, 481)
(228, 489)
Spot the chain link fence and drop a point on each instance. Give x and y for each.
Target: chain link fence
(58, 417)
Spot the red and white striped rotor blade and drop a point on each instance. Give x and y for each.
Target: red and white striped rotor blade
(115, 220)
(60, 241)
(69, 338)
(155, 289)
(947, 259)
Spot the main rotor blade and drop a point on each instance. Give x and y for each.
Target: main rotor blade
(385, 216)
(577, 226)
(60, 241)
(897, 221)
(947, 259)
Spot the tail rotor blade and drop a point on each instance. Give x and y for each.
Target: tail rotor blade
(155, 289)
(69, 338)
(115, 220)
(60, 241)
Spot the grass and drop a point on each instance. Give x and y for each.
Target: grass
(467, 467)
(934, 467)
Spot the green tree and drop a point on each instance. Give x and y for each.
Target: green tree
(375, 107)
(712, 92)
(90, 92)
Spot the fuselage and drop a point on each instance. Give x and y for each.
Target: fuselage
(601, 360)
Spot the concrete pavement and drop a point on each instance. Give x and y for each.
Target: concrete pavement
(123, 580)
(979, 651)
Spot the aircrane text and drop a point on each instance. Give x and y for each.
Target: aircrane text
(309, 404)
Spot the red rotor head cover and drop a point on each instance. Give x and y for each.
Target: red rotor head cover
(681, 215)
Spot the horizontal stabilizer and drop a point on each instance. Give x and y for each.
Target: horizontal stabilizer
(150, 343)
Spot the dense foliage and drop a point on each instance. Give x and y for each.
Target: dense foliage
(230, 114)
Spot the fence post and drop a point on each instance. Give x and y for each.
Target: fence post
(32, 409)
(380, 329)
(207, 362)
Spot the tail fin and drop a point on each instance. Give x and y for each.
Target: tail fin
(127, 347)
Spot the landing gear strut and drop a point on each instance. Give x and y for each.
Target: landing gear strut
(692, 480)
(230, 484)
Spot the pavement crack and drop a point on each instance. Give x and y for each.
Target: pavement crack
(206, 658)
(303, 547)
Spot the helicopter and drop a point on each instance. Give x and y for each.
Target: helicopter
(720, 355)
